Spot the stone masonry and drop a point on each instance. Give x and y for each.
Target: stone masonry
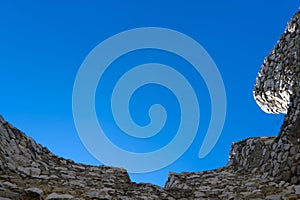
(277, 90)
(258, 168)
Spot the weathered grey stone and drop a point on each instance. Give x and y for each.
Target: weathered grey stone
(23, 170)
(250, 184)
(4, 198)
(35, 171)
(93, 194)
(33, 194)
(199, 194)
(55, 196)
(35, 191)
(14, 195)
(9, 185)
(273, 197)
(297, 189)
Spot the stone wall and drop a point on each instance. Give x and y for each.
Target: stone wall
(264, 158)
(278, 77)
(267, 157)
(277, 90)
(258, 168)
(29, 171)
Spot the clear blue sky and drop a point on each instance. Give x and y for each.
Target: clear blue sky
(42, 45)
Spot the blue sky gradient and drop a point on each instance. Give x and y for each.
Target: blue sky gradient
(42, 45)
